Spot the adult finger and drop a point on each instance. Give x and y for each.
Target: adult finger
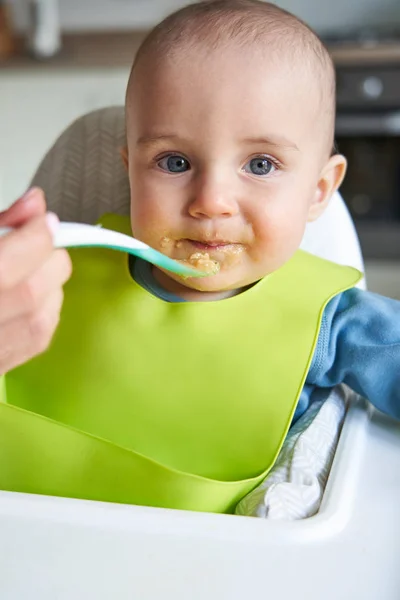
(28, 296)
(28, 336)
(32, 204)
(24, 250)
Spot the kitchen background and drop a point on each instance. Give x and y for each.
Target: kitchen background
(62, 58)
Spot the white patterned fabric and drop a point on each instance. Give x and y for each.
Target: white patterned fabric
(295, 485)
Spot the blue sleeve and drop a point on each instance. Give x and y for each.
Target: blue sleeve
(359, 344)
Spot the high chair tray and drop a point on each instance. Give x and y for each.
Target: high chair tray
(55, 548)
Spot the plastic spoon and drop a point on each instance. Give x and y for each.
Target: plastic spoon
(80, 235)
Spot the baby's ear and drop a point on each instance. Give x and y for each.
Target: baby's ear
(124, 156)
(330, 180)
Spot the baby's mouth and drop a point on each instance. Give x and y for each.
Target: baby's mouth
(210, 246)
(206, 254)
(226, 253)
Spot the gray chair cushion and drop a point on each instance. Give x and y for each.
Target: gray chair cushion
(82, 174)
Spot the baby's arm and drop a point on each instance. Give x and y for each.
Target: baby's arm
(359, 345)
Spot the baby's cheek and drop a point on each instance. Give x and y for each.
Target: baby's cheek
(146, 225)
(283, 247)
(230, 257)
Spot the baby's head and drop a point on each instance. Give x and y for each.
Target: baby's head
(230, 117)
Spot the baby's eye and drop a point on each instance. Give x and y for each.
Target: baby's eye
(174, 164)
(260, 166)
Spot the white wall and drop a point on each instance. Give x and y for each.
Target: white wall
(36, 106)
(105, 14)
(125, 14)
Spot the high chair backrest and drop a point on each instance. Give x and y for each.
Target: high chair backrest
(83, 177)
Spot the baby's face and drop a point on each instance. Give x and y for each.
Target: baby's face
(225, 159)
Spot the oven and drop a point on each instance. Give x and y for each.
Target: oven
(368, 134)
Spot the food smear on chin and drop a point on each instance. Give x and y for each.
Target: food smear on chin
(202, 262)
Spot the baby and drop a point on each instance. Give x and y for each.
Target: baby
(179, 393)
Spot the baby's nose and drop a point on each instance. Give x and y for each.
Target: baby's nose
(210, 202)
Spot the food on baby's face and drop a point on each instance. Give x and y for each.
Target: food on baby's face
(209, 258)
(165, 242)
(202, 261)
(226, 255)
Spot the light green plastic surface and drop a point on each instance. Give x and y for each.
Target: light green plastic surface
(147, 402)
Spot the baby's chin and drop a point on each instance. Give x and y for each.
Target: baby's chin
(208, 284)
(219, 283)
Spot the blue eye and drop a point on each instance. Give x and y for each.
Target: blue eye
(260, 166)
(174, 164)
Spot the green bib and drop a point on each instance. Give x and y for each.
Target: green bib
(180, 405)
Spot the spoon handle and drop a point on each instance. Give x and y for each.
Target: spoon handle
(81, 235)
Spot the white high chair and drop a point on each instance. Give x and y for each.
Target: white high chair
(60, 548)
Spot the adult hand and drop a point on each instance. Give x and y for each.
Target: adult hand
(32, 275)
